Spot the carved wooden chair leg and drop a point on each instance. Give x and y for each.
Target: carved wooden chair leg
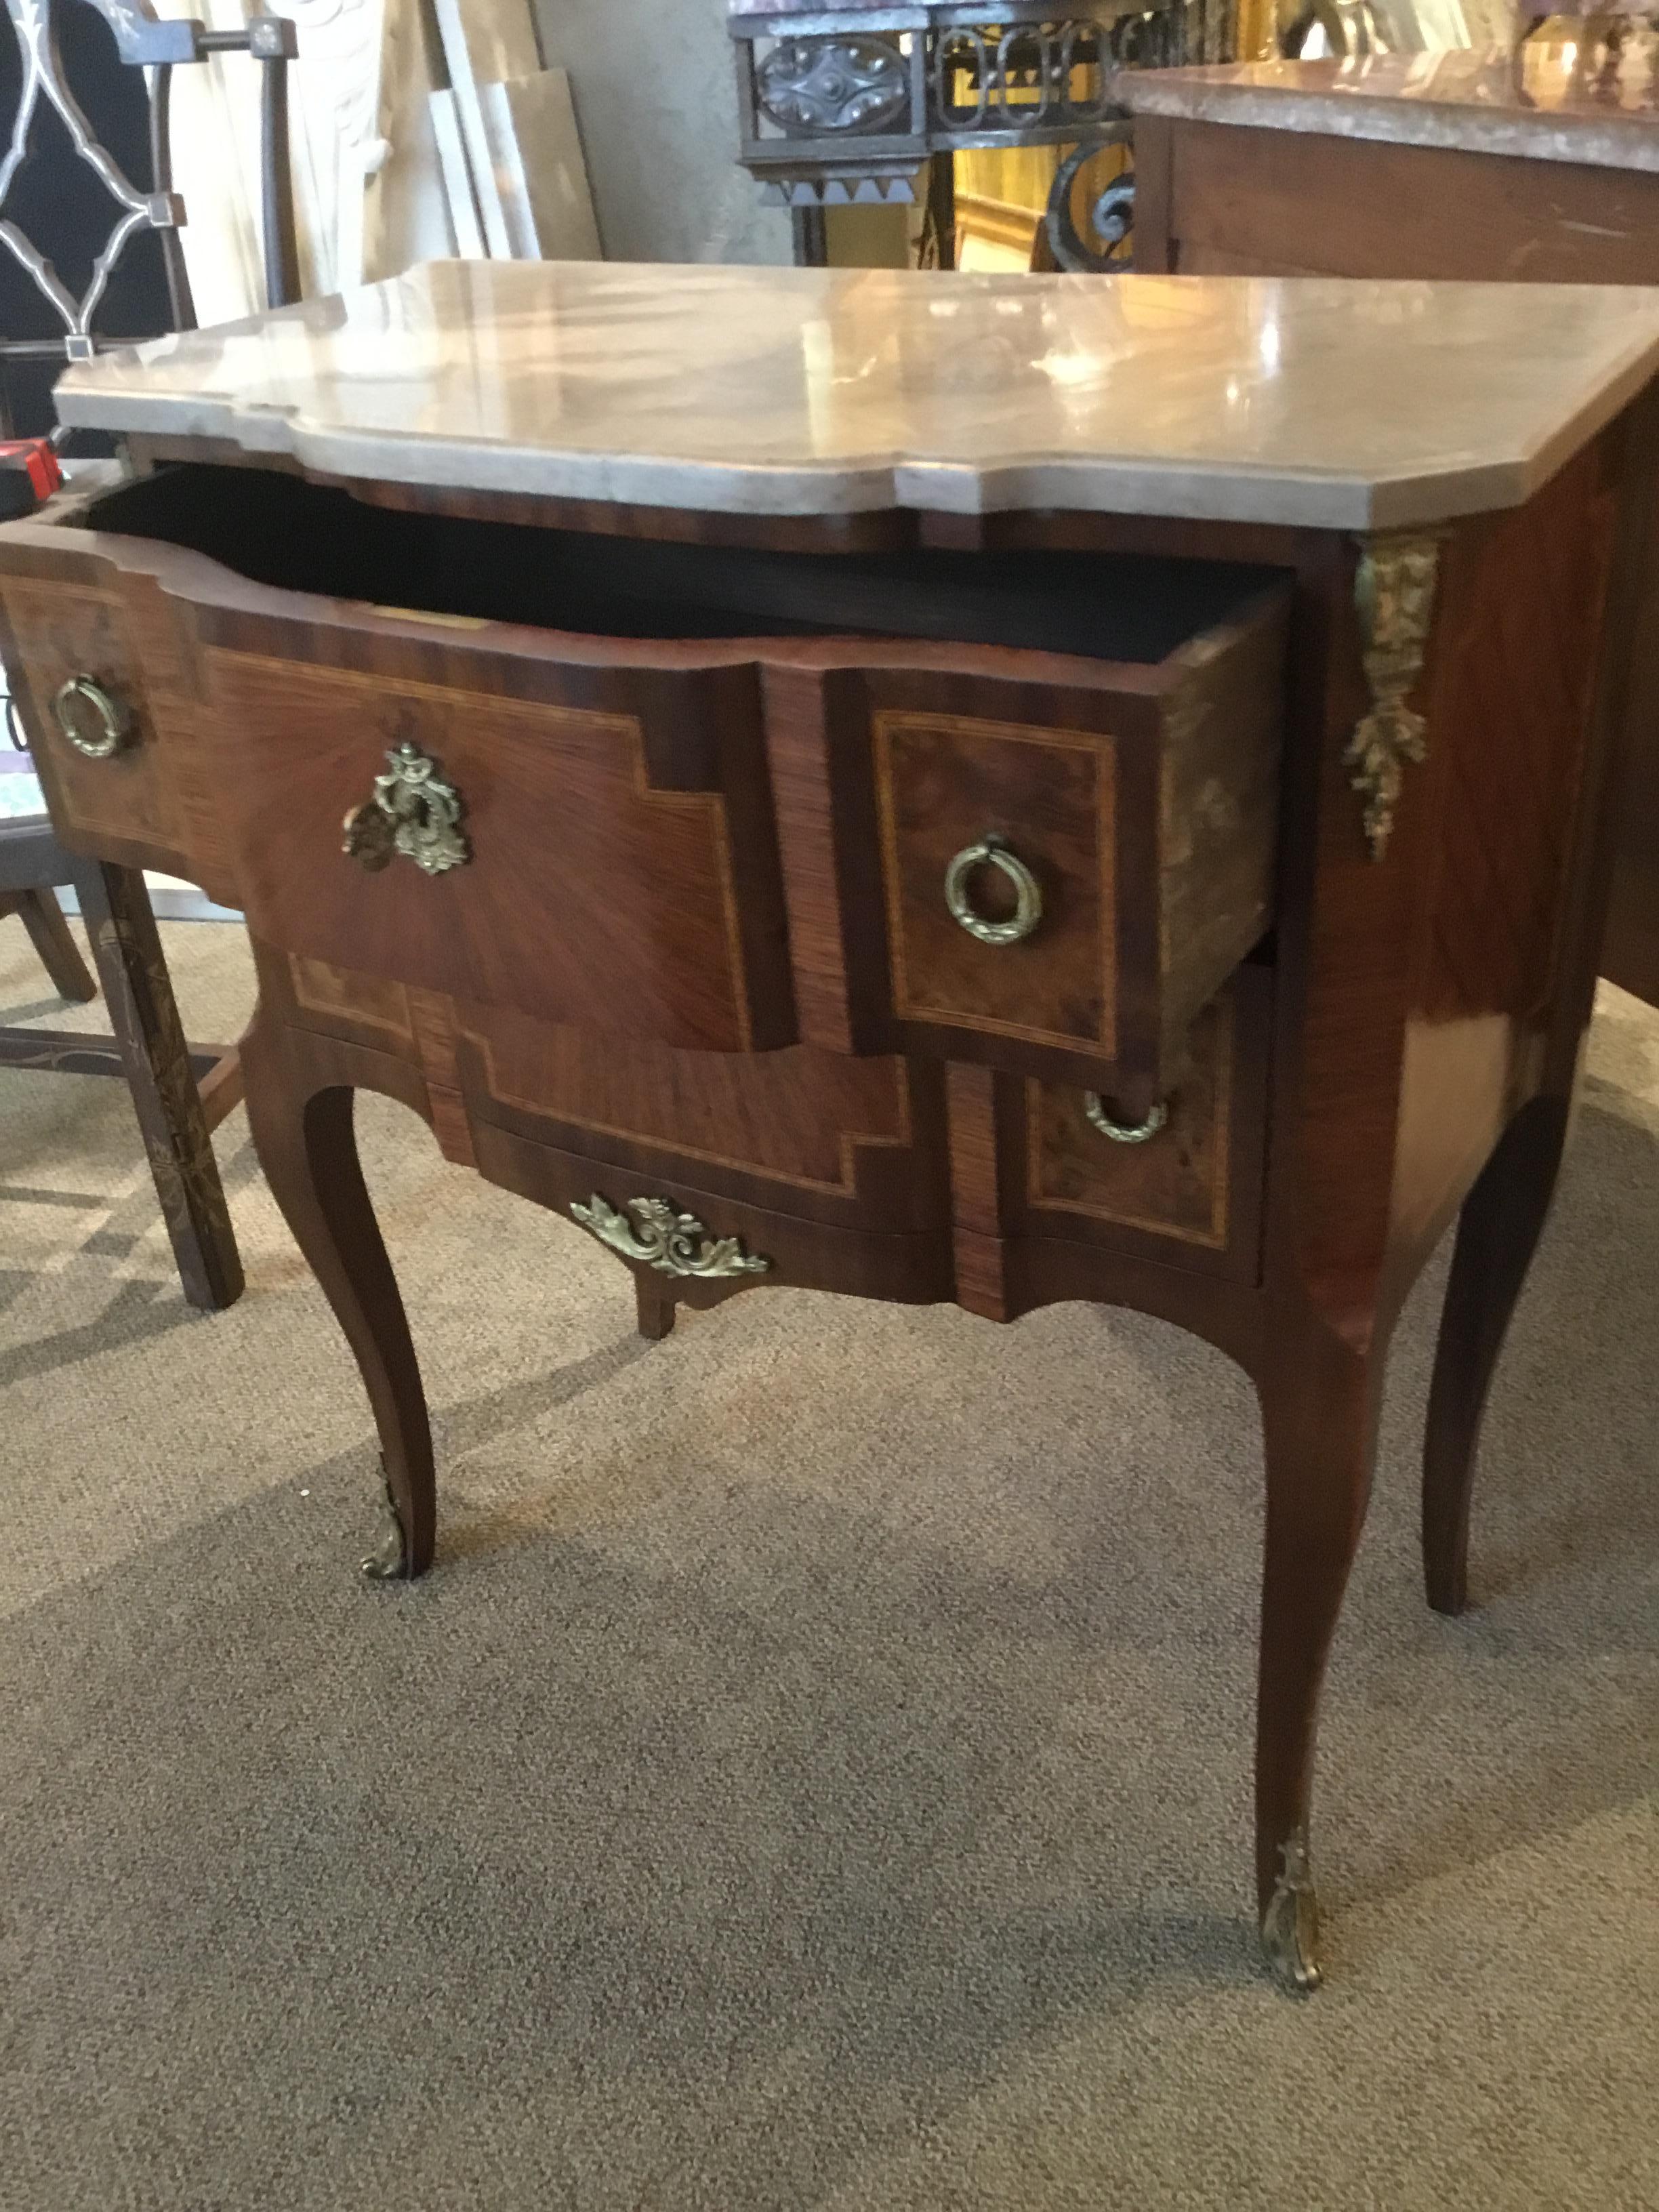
(116, 909)
(60, 956)
(1503, 1219)
(655, 1303)
(1319, 1415)
(308, 1149)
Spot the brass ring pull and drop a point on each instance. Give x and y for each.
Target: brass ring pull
(1122, 1133)
(93, 723)
(992, 851)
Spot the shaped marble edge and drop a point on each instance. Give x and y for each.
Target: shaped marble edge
(1591, 351)
(1276, 96)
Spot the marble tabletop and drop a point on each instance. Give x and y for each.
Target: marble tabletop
(1316, 402)
(1566, 100)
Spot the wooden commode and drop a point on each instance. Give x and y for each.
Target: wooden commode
(1000, 790)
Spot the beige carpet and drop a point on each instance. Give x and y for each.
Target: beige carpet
(816, 1774)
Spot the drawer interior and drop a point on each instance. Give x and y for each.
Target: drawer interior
(281, 530)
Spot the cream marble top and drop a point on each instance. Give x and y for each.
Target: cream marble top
(1572, 99)
(1325, 402)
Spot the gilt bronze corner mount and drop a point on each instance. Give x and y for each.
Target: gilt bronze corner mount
(1394, 591)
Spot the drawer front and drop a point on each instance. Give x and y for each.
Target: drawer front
(822, 1135)
(1046, 863)
(581, 875)
(831, 1170)
(857, 1143)
(783, 1250)
(946, 785)
(121, 801)
(1186, 1191)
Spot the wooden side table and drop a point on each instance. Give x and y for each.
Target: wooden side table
(815, 816)
(1539, 165)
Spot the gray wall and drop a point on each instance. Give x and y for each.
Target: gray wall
(656, 98)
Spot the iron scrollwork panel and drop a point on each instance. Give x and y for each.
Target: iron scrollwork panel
(1110, 212)
(1022, 79)
(812, 87)
(833, 114)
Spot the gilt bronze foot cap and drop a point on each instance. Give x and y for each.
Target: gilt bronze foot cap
(389, 1560)
(1289, 1926)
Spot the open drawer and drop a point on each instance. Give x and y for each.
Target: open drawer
(1054, 863)
(1008, 807)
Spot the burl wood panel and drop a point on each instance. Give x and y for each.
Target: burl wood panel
(1039, 1195)
(591, 895)
(1144, 802)
(1176, 1185)
(943, 782)
(125, 804)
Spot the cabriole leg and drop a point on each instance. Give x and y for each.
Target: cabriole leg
(1503, 1219)
(308, 1150)
(1319, 1403)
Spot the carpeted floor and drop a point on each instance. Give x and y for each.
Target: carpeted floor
(816, 1774)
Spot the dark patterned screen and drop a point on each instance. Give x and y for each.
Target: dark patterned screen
(57, 201)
